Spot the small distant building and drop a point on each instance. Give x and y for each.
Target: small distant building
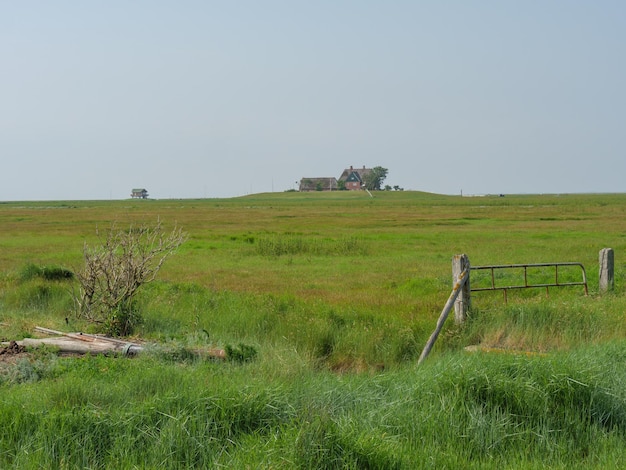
(354, 178)
(328, 183)
(139, 193)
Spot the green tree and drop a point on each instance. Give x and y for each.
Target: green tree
(374, 179)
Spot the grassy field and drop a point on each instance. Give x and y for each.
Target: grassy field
(338, 293)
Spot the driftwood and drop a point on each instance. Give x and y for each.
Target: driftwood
(69, 345)
(81, 343)
(84, 343)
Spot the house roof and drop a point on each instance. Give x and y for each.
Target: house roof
(360, 172)
(310, 184)
(354, 177)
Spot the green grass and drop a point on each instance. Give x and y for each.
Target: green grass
(324, 301)
(481, 411)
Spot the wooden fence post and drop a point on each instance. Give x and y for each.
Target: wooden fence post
(456, 289)
(606, 269)
(461, 263)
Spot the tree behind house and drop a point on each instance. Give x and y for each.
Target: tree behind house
(374, 179)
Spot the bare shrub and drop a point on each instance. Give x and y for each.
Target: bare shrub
(115, 270)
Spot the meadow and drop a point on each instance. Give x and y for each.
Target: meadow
(336, 293)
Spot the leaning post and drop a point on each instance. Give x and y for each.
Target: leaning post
(606, 260)
(461, 263)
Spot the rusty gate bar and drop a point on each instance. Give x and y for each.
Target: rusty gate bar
(530, 286)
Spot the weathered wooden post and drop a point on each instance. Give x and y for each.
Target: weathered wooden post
(456, 289)
(606, 269)
(461, 263)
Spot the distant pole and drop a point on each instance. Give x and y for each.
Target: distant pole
(606, 260)
(461, 263)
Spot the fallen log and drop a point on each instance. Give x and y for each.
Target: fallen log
(74, 346)
(85, 343)
(81, 336)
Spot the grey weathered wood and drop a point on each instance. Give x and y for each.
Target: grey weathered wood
(606, 260)
(456, 289)
(461, 263)
(81, 336)
(84, 343)
(69, 345)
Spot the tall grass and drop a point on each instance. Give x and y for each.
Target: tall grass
(470, 411)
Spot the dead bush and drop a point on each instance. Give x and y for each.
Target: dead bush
(114, 271)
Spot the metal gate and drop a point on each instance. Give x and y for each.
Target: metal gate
(526, 284)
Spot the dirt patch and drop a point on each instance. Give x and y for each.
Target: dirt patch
(11, 352)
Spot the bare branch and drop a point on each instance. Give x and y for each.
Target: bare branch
(115, 270)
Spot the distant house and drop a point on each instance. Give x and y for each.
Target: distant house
(354, 178)
(328, 183)
(139, 193)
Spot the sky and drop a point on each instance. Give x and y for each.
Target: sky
(194, 99)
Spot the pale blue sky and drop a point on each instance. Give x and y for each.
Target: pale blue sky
(219, 99)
